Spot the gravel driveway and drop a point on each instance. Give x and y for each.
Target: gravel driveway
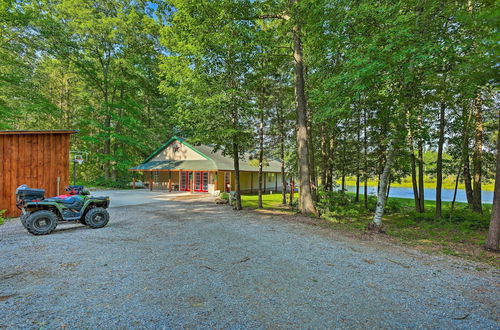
(190, 263)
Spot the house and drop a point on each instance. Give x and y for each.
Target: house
(39, 159)
(179, 165)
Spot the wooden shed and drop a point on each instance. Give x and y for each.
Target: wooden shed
(39, 159)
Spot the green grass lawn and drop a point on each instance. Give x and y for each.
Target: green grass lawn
(461, 234)
(269, 201)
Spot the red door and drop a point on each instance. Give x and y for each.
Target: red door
(204, 183)
(199, 179)
(185, 181)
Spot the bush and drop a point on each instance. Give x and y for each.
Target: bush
(468, 219)
(224, 196)
(394, 206)
(337, 203)
(462, 218)
(2, 219)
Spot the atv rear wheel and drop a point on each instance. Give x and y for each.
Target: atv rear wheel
(41, 222)
(97, 217)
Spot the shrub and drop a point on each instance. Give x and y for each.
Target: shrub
(462, 218)
(2, 219)
(337, 203)
(467, 219)
(394, 206)
(224, 195)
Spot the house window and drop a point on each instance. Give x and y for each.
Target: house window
(156, 176)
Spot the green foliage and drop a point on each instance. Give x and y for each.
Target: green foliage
(2, 219)
(102, 182)
(91, 66)
(461, 217)
(342, 204)
(224, 196)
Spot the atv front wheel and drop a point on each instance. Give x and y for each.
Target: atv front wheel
(41, 222)
(23, 218)
(97, 217)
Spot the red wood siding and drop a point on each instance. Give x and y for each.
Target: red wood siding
(36, 159)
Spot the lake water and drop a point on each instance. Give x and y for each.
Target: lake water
(429, 194)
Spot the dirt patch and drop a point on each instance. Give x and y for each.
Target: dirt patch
(189, 197)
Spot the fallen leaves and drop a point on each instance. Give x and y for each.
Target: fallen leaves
(3, 298)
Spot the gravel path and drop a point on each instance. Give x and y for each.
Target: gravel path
(190, 263)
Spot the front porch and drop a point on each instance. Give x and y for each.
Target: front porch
(212, 182)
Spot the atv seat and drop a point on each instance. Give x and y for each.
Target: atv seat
(73, 202)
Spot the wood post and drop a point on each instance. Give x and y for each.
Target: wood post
(169, 185)
(150, 182)
(275, 182)
(133, 183)
(251, 182)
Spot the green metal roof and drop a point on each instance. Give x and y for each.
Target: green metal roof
(215, 160)
(193, 165)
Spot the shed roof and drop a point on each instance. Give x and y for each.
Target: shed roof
(215, 160)
(58, 131)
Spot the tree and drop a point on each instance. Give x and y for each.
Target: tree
(209, 70)
(493, 240)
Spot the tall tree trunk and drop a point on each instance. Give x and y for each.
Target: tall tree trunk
(283, 177)
(107, 119)
(466, 117)
(331, 150)
(358, 157)
(455, 190)
(324, 156)
(236, 161)
(306, 204)
(478, 152)
(439, 160)
(382, 194)
(117, 145)
(261, 155)
(282, 157)
(312, 162)
(467, 178)
(493, 240)
(420, 146)
(342, 178)
(365, 151)
(413, 165)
